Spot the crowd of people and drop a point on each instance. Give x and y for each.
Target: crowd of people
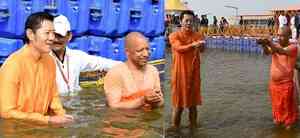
(243, 28)
(290, 19)
(199, 23)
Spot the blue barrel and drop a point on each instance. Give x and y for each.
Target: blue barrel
(252, 49)
(50, 6)
(160, 29)
(77, 11)
(23, 9)
(99, 46)
(231, 44)
(98, 17)
(246, 44)
(226, 43)
(220, 41)
(253, 45)
(155, 17)
(118, 18)
(242, 46)
(214, 42)
(208, 41)
(8, 46)
(160, 47)
(79, 43)
(8, 18)
(137, 16)
(152, 49)
(117, 50)
(258, 50)
(253, 42)
(238, 44)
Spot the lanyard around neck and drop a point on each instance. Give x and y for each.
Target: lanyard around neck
(65, 78)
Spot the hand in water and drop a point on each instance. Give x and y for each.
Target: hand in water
(61, 119)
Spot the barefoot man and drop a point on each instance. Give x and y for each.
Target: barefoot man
(281, 86)
(185, 72)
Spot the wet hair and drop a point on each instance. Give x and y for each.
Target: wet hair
(186, 12)
(35, 20)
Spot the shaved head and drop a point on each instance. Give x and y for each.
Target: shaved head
(137, 49)
(132, 38)
(285, 30)
(284, 33)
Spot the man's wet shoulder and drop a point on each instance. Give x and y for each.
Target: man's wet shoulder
(152, 68)
(118, 68)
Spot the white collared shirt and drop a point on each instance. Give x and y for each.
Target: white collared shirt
(76, 61)
(282, 20)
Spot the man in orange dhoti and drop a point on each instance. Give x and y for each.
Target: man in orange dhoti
(185, 71)
(135, 83)
(283, 96)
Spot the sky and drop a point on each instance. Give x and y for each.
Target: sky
(216, 7)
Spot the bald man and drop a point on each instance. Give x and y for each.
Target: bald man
(281, 86)
(134, 84)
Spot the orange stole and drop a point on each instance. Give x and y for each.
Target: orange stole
(133, 96)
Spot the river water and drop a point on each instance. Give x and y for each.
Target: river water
(236, 104)
(93, 120)
(235, 96)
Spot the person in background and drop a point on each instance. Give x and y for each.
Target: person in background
(271, 25)
(223, 24)
(215, 24)
(197, 23)
(70, 62)
(135, 83)
(297, 23)
(282, 20)
(28, 90)
(293, 26)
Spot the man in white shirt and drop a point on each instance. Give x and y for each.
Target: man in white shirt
(69, 62)
(282, 20)
(293, 26)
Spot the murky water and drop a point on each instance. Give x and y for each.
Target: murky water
(236, 103)
(93, 120)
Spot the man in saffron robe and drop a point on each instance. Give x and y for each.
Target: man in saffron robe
(185, 71)
(28, 89)
(281, 85)
(135, 83)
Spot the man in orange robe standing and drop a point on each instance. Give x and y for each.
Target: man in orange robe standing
(283, 96)
(185, 71)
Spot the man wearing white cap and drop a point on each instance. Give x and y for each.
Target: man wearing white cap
(69, 62)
